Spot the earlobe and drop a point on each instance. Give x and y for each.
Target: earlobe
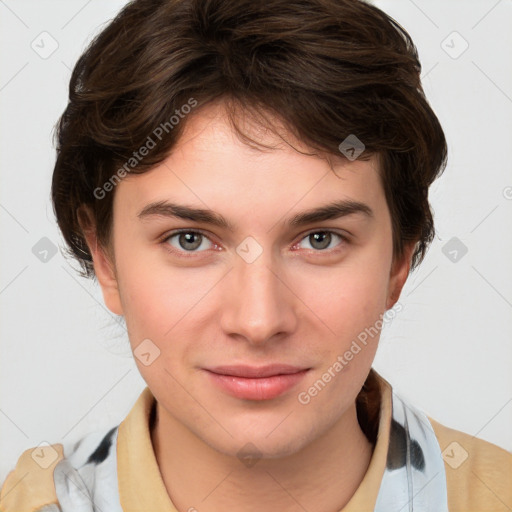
(103, 266)
(398, 276)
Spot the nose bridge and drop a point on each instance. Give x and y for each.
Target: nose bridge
(259, 304)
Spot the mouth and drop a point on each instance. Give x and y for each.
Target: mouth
(256, 383)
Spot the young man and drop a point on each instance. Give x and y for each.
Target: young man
(248, 182)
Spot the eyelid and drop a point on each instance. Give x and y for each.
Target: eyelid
(343, 233)
(177, 231)
(170, 234)
(345, 239)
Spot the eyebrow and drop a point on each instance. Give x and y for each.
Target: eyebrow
(330, 211)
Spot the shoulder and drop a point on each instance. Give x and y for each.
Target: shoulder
(478, 473)
(64, 477)
(30, 486)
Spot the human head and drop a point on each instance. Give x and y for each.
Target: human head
(328, 69)
(163, 88)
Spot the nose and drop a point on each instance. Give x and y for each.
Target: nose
(257, 302)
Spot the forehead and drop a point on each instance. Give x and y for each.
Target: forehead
(211, 167)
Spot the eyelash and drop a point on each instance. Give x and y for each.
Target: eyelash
(190, 254)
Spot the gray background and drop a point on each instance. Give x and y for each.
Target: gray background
(66, 367)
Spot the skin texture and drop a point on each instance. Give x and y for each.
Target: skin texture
(296, 304)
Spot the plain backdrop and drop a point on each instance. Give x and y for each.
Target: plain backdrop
(66, 366)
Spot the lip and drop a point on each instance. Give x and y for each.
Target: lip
(256, 383)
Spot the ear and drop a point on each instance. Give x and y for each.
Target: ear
(103, 265)
(398, 275)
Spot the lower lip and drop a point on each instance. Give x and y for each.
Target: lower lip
(264, 388)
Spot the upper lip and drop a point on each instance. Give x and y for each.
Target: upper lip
(256, 371)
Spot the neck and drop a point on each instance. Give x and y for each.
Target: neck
(323, 476)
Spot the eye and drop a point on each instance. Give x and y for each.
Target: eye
(187, 241)
(190, 241)
(321, 240)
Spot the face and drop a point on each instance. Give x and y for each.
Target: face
(268, 286)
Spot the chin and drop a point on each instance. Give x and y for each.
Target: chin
(260, 445)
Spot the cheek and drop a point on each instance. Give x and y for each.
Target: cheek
(346, 321)
(159, 301)
(156, 309)
(347, 298)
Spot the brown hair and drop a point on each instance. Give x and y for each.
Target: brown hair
(326, 68)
